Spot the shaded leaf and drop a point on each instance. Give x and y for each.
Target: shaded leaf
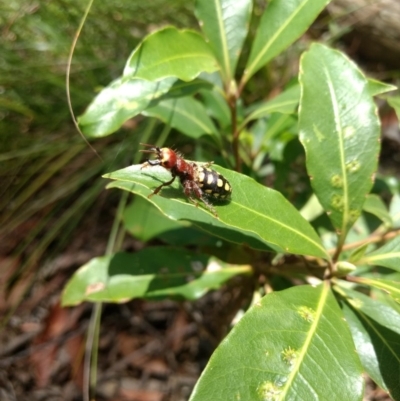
(388, 255)
(380, 312)
(216, 107)
(389, 286)
(375, 205)
(145, 221)
(281, 24)
(185, 114)
(292, 345)
(254, 210)
(378, 349)
(286, 102)
(171, 53)
(118, 102)
(225, 23)
(339, 130)
(152, 273)
(394, 101)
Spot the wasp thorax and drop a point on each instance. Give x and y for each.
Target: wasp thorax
(167, 158)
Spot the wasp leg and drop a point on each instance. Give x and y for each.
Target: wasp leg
(190, 188)
(158, 189)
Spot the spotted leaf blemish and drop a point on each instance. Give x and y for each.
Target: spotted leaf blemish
(337, 202)
(269, 391)
(289, 356)
(306, 313)
(337, 181)
(94, 287)
(354, 214)
(353, 166)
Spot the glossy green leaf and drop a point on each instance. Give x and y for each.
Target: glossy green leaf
(283, 22)
(388, 255)
(170, 52)
(254, 212)
(376, 87)
(378, 349)
(152, 273)
(225, 24)
(286, 102)
(389, 286)
(185, 114)
(118, 102)
(292, 345)
(339, 130)
(375, 205)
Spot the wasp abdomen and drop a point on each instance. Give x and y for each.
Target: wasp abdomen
(213, 184)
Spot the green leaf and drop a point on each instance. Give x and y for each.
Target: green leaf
(388, 255)
(292, 345)
(394, 101)
(254, 210)
(394, 210)
(152, 273)
(171, 53)
(358, 253)
(286, 102)
(390, 287)
(375, 205)
(378, 349)
(339, 130)
(185, 114)
(118, 102)
(225, 23)
(143, 220)
(282, 23)
(216, 107)
(381, 313)
(376, 87)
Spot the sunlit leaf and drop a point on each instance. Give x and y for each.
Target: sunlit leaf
(282, 23)
(339, 130)
(225, 23)
(376, 87)
(152, 273)
(171, 53)
(254, 212)
(292, 345)
(118, 102)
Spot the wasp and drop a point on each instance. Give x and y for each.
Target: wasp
(198, 181)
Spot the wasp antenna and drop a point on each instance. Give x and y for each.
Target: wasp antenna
(146, 144)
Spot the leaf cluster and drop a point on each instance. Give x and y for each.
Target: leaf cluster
(310, 341)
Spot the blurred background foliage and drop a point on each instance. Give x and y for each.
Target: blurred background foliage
(51, 180)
